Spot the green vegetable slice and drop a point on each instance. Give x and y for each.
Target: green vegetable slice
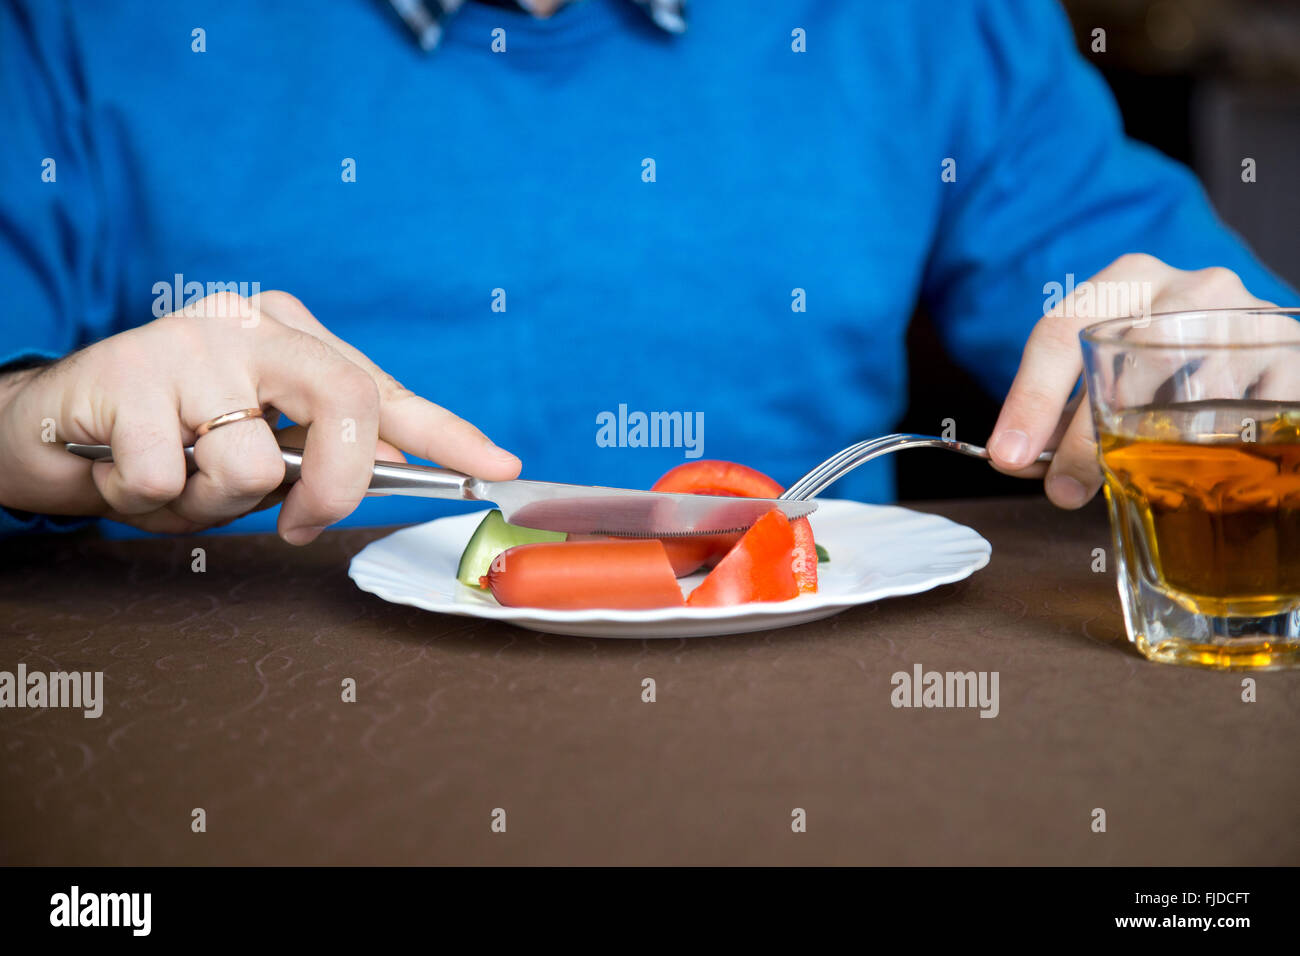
(492, 536)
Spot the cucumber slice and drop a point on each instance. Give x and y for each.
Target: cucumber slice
(822, 555)
(492, 536)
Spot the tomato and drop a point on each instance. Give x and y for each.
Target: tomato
(759, 568)
(688, 555)
(711, 477)
(628, 573)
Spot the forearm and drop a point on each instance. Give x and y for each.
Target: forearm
(18, 372)
(27, 436)
(12, 379)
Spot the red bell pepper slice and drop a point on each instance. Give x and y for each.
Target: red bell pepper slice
(759, 568)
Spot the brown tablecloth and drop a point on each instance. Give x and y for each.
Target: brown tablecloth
(223, 692)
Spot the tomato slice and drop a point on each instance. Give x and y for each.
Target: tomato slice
(805, 556)
(630, 574)
(713, 477)
(759, 568)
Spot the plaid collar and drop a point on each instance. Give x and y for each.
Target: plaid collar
(426, 18)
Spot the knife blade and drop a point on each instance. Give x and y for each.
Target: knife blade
(549, 505)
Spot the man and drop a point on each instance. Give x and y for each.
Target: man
(542, 220)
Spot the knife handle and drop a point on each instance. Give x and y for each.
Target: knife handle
(386, 477)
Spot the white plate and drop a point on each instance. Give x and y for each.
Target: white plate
(876, 551)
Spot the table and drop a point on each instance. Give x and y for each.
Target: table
(223, 692)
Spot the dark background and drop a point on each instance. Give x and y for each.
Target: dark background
(1207, 82)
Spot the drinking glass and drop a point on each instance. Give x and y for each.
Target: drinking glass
(1198, 427)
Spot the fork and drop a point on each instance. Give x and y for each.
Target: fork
(841, 463)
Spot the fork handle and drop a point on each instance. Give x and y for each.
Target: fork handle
(839, 465)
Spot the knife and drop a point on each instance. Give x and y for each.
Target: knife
(549, 505)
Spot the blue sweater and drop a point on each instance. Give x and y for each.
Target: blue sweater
(781, 180)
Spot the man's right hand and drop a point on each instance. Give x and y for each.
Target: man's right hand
(146, 390)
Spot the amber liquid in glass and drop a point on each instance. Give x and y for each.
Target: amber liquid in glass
(1212, 490)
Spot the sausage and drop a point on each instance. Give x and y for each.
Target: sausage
(627, 574)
